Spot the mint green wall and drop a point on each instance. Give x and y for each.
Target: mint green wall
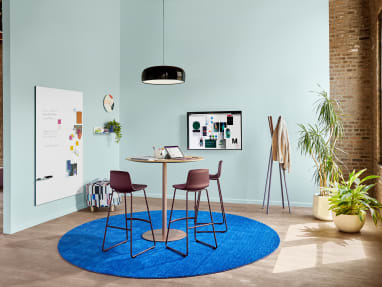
(259, 56)
(72, 45)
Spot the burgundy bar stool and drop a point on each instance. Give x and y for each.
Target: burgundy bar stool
(120, 181)
(224, 219)
(197, 181)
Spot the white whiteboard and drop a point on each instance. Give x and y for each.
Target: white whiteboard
(59, 144)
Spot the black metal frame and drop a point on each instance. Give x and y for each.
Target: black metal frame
(214, 112)
(131, 225)
(224, 218)
(195, 218)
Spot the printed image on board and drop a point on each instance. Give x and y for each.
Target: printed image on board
(221, 130)
(59, 144)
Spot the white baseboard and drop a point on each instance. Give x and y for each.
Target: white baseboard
(236, 200)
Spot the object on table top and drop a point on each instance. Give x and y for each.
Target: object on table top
(174, 152)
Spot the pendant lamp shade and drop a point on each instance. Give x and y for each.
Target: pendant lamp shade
(163, 75)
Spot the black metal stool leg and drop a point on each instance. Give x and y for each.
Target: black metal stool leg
(195, 215)
(187, 223)
(127, 230)
(109, 226)
(206, 224)
(171, 221)
(131, 227)
(196, 207)
(224, 219)
(107, 223)
(148, 212)
(131, 224)
(222, 208)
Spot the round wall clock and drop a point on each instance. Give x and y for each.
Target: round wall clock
(108, 103)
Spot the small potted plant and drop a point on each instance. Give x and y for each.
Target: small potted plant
(350, 202)
(115, 127)
(319, 142)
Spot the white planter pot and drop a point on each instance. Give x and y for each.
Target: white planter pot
(349, 223)
(321, 208)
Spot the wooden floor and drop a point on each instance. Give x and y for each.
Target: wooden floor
(311, 253)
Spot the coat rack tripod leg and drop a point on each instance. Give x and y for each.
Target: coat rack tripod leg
(286, 190)
(282, 189)
(269, 185)
(266, 180)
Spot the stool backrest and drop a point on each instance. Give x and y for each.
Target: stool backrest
(198, 179)
(120, 181)
(219, 169)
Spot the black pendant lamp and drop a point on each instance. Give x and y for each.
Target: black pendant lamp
(163, 75)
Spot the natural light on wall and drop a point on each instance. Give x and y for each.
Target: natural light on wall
(309, 255)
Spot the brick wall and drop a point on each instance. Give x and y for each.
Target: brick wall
(350, 81)
(375, 11)
(355, 81)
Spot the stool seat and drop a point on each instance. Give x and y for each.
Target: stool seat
(137, 187)
(181, 186)
(214, 176)
(184, 186)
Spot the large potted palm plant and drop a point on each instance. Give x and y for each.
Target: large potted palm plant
(319, 141)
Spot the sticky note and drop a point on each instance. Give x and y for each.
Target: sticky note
(77, 143)
(79, 118)
(71, 148)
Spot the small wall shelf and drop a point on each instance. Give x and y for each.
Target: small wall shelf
(100, 131)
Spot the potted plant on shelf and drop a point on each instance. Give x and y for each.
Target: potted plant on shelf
(115, 127)
(319, 142)
(350, 201)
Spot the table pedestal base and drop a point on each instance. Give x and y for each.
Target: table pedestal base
(174, 235)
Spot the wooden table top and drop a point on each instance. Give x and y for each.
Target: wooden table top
(163, 160)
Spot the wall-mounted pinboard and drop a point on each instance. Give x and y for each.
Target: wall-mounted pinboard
(59, 144)
(214, 130)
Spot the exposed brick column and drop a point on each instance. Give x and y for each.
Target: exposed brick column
(351, 79)
(375, 10)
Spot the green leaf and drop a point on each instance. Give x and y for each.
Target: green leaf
(369, 177)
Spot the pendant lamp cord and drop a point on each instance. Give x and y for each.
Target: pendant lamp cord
(163, 32)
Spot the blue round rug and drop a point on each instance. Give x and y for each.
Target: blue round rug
(245, 241)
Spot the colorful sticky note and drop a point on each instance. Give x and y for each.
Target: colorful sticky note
(71, 148)
(79, 118)
(77, 143)
(59, 121)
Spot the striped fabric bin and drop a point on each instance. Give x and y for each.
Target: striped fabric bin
(98, 194)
